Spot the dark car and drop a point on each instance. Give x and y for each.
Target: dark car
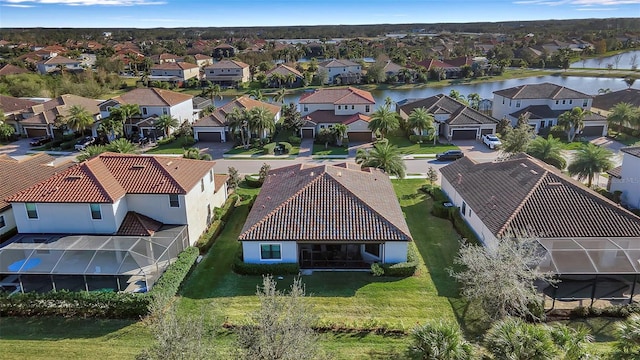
(39, 141)
(450, 155)
(84, 142)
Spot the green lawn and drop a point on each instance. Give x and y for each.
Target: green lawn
(408, 148)
(319, 149)
(177, 146)
(575, 145)
(240, 150)
(626, 139)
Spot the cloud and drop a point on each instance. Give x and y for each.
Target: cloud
(32, 3)
(596, 9)
(582, 4)
(18, 6)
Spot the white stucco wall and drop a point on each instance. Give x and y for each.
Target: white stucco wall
(157, 207)
(359, 125)
(395, 252)
(629, 183)
(9, 221)
(59, 218)
(306, 109)
(351, 109)
(182, 111)
(251, 252)
(503, 106)
(196, 205)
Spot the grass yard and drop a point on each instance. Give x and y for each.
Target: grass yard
(406, 147)
(626, 139)
(176, 146)
(574, 145)
(319, 149)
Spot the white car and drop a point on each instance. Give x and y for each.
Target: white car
(491, 141)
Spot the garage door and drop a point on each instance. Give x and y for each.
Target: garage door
(210, 136)
(307, 133)
(36, 132)
(593, 130)
(464, 135)
(359, 136)
(486, 131)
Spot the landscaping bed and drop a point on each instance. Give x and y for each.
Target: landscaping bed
(173, 145)
(320, 150)
(407, 147)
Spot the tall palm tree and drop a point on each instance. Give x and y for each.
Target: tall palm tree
(474, 100)
(383, 120)
(420, 119)
(439, 341)
(383, 156)
(213, 91)
(238, 122)
(340, 130)
(111, 126)
(572, 121)
(125, 112)
(548, 150)
(256, 94)
(279, 95)
(590, 160)
(261, 119)
(79, 118)
(623, 114)
(166, 122)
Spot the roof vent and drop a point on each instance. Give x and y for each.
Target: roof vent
(554, 184)
(169, 163)
(138, 167)
(533, 172)
(523, 164)
(74, 177)
(339, 173)
(311, 174)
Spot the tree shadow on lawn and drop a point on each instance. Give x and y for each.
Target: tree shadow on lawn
(42, 328)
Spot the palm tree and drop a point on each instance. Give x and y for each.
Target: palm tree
(279, 95)
(514, 339)
(213, 91)
(572, 121)
(79, 118)
(165, 122)
(383, 120)
(383, 156)
(121, 146)
(340, 130)
(420, 119)
(256, 94)
(627, 345)
(439, 341)
(125, 112)
(261, 119)
(111, 126)
(572, 343)
(91, 151)
(590, 160)
(237, 120)
(474, 100)
(623, 114)
(548, 150)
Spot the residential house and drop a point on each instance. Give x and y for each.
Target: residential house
(626, 178)
(203, 60)
(39, 119)
(593, 251)
(284, 75)
(452, 68)
(214, 127)
(227, 73)
(17, 175)
(455, 120)
(392, 70)
(342, 72)
(12, 108)
(9, 69)
(166, 58)
(603, 103)
(224, 51)
(543, 103)
(133, 217)
(58, 63)
(326, 216)
(175, 73)
(325, 107)
(153, 102)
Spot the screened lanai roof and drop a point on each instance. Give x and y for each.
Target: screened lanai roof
(57, 254)
(591, 256)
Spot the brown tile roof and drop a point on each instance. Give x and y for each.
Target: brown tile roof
(607, 101)
(108, 177)
(326, 203)
(632, 150)
(152, 97)
(228, 64)
(17, 175)
(541, 91)
(219, 180)
(328, 116)
(219, 116)
(46, 113)
(202, 57)
(10, 104)
(174, 66)
(59, 60)
(135, 224)
(459, 113)
(337, 63)
(349, 95)
(525, 195)
(9, 69)
(433, 63)
(616, 172)
(284, 70)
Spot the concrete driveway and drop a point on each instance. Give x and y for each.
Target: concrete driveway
(215, 149)
(16, 148)
(476, 150)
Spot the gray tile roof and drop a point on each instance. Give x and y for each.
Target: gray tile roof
(460, 114)
(545, 112)
(632, 150)
(541, 91)
(607, 101)
(525, 195)
(326, 203)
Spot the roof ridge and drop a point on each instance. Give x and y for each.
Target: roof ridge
(157, 162)
(158, 92)
(522, 203)
(95, 178)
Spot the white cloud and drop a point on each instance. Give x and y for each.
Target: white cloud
(31, 3)
(582, 3)
(597, 9)
(18, 6)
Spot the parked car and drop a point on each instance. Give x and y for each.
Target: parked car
(450, 155)
(84, 142)
(491, 141)
(39, 141)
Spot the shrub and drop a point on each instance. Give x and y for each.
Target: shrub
(619, 311)
(294, 140)
(269, 149)
(402, 269)
(287, 146)
(242, 268)
(252, 181)
(417, 138)
(376, 269)
(207, 239)
(169, 283)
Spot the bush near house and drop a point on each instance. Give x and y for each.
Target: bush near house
(404, 269)
(451, 213)
(221, 215)
(252, 181)
(242, 268)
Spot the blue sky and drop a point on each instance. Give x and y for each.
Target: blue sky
(220, 13)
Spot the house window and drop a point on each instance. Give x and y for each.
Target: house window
(270, 252)
(173, 200)
(306, 108)
(585, 102)
(32, 212)
(373, 249)
(570, 101)
(210, 175)
(164, 111)
(353, 107)
(517, 103)
(564, 102)
(201, 184)
(464, 208)
(503, 99)
(321, 126)
(2, 222)
(144, 111)
(557, 102)
(96, 214)
(367, 108)
(339, 107)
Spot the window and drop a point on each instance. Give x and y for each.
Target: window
(2, 222)
(144, 111)
(503, 101)
(570, 101)
(32, 212)
(464, 208)
(339, 107)
(201, 184)
(96, 214)
(321, 126)
(174, 201)
(164, 111)
(210, 175)
(353, 107)
(517, 103)
(557, 102)
(367, 108)
(373, 249)
(270, 252)
(564, 102)
(306, 108)
(585, 102)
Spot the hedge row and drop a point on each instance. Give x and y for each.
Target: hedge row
(207, 239)
(451, 213)
(621, 311)
(252, 181)
(404, 269)
(269, 149)
(169, 283)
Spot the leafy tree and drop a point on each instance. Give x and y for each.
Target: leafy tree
(383, 120)
(166, 122)
(420, 119)
(627, 345)
(501, 276)
(517, 140)
(234, 178)
(383, 156)
(572, 121)
(292, 118)
(590, 160)
(264, 172)
(432, 175)
(281, 328)
(6, 130)
(548, 150)
(623, 114)
(629, 81)
(439, 341)
(375, 73)
(514, 339)
(261, 119)
(504, 126)
(79, 118)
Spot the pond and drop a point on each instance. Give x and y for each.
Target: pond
(623, 60)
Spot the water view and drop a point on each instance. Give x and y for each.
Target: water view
(620, 61)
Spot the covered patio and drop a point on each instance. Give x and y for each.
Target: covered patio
(338, 256)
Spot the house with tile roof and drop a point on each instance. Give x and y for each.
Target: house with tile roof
(203, 60)
(175, 73)
(283, 75)
(12, 108)
(543, 103)
(456, 121)
(17, 175)
(342, 72)
(228, 73)
(168, 190)
(626, 177)
(214, 127)
(153, 102)
(325, 216)
(56, 63)
(603, 103)
(224, 51)
(39, 119)
(9, 69)
(326, 107)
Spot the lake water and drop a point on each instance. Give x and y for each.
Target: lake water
(587, 85)
(601, 63)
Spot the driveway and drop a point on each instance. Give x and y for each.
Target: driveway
(21, 148)
(215, 149)
(476, 150)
